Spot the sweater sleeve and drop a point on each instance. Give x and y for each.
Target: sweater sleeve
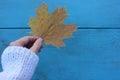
(18, 63)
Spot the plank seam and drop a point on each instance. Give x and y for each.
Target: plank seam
(77, 28)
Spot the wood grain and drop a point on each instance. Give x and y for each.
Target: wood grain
(93, 54)
(82, 13)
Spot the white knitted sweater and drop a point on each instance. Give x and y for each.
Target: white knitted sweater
(18, 63)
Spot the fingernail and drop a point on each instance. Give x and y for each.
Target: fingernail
(40, 39)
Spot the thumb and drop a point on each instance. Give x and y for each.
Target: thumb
(37, 45)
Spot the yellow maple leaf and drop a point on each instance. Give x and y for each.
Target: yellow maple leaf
(50, 27)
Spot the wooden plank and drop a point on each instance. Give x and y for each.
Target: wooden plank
(83, 13)
(94, 54)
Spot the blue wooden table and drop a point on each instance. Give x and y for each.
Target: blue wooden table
(93, 53)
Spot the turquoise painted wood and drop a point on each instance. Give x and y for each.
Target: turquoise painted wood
(83, 13)
(94, 54)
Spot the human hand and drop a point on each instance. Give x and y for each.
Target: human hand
(31, 42)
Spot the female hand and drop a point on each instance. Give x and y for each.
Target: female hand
(31, 42)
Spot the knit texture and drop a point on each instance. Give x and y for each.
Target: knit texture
(18, 63)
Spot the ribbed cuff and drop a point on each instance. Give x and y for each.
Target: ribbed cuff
(13, 53)
(20, 62)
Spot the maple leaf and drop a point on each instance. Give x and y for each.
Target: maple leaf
(50, 27)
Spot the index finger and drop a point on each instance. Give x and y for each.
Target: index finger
(23, 41)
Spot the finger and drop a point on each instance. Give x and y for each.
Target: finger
(23, 41)
(37, 45)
